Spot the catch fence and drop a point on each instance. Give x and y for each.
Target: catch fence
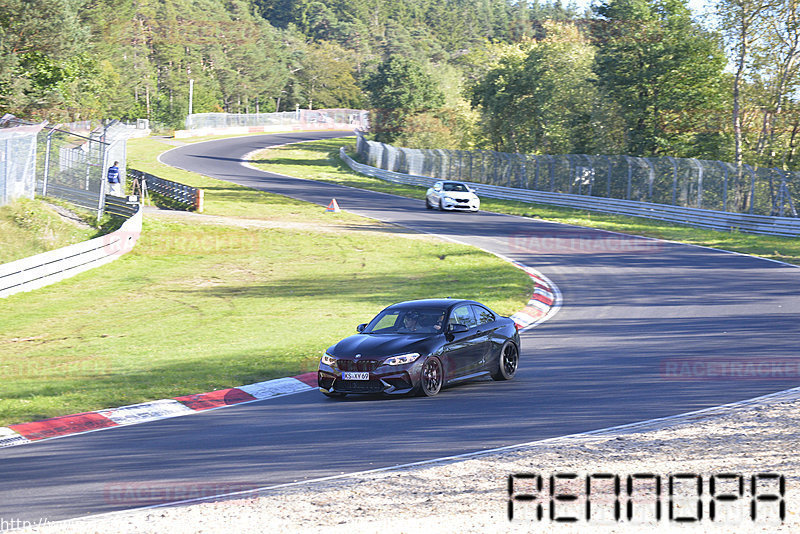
(686, 183)
(67, 161)
(301, 118)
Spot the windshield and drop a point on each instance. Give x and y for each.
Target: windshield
(407, 321)
(455, 187)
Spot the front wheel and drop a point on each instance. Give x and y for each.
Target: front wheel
(441, 205)
(428, 203)
(507, 362)
(430, 382)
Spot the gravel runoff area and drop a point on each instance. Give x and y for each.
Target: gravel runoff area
(471, 494)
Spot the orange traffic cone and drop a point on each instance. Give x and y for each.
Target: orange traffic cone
(333, 207)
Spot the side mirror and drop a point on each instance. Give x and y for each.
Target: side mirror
(360, 328)
(437, 187)
(458, 328)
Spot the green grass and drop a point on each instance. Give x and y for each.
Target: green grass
(29, 227)
(319, 160)
(198, 305)
(225, 198)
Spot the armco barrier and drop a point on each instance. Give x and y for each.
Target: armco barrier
(186, 195)
(56, 265)
(120, 206)
(715, 220)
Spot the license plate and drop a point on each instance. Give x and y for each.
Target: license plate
(355, 376)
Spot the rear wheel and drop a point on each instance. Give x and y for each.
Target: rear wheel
(430, 382)
(507, 362)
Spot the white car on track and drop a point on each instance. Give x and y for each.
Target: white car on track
(450, 195)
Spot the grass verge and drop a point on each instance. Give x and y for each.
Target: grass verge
(204, 303)
(319, 160)
(32, 226)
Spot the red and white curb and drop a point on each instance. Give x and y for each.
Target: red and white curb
(544, 303)
(152, 411)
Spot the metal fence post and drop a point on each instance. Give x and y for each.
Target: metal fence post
(699, 168)
(630, 177)
(700, 184)
(651, 178)
(101, 203)
(4, 179)
(752, 172)
(674, 180)
(572, 175)
(724, 186)
(46, 175)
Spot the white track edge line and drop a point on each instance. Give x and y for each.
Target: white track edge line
(790, 394)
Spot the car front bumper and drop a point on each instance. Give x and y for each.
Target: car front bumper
(386, 379)
(450, 204)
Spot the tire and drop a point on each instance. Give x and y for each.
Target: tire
(431, 377)
(507, 362)
(333, 394)
(428, 204)
(441, 205)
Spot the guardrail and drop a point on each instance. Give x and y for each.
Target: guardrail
(185, 195)
(121, 206)
(56, 265)
(715, 220)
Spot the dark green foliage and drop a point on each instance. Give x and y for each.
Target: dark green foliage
(399, 89)
(633, 76)
(664, 72)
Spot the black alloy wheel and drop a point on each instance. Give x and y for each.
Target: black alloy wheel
(507, 362)
(430, 382)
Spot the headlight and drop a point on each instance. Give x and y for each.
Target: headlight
(327, 359)
(402, 359)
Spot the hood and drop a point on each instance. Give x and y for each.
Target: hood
(376, 346)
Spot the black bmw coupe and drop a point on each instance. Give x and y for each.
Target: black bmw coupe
(420, 346)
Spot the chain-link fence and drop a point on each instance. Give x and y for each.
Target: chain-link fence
(17, 159)
(355, 118)
(689, 183)
(68, 162)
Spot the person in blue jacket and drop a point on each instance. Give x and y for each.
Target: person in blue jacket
(114, 185)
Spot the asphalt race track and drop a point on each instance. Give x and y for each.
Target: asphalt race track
(634, 312)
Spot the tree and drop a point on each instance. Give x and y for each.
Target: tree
(542, 100)
(398, 89)
(42, 52)
(743, 23)
(325, 78)
(663, 70)
(776, 66)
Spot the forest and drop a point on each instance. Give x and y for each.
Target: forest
(634, 77)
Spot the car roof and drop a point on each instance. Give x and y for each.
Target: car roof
(431, 303)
